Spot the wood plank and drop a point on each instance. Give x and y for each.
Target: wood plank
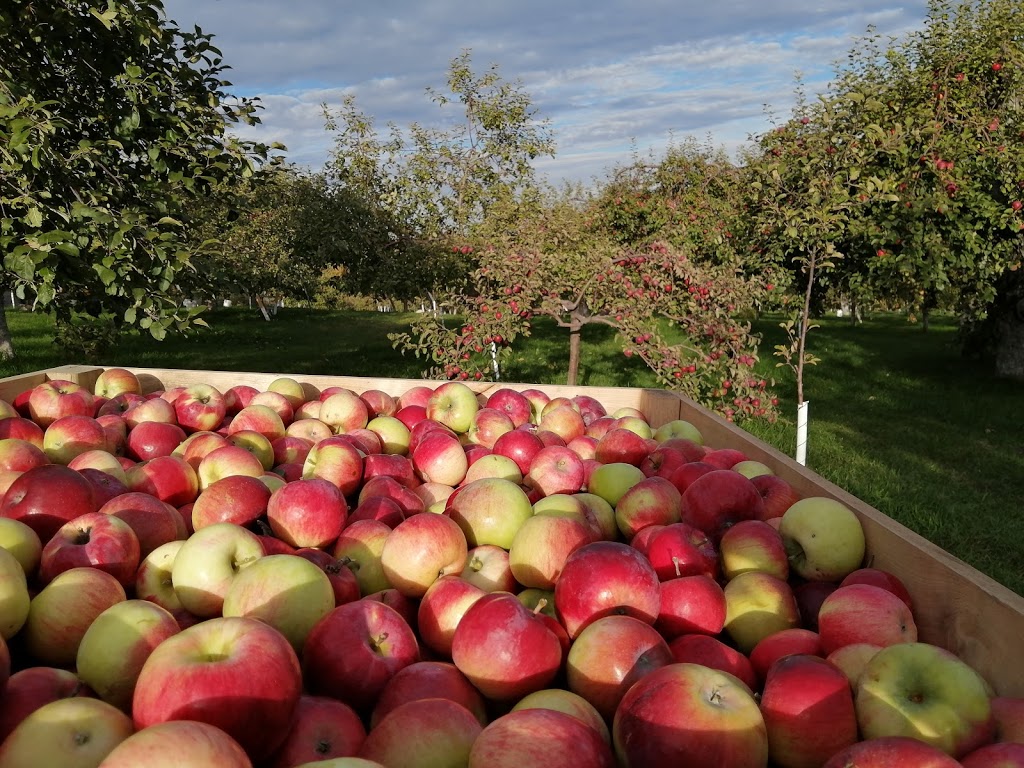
(956, 606)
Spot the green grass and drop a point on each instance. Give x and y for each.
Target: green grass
(898, 418)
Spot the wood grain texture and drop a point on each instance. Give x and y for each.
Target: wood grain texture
(956, 606)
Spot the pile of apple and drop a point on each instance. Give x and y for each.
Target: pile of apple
(293, 577)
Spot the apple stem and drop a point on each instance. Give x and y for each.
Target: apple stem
(348, 562)
(675, 562)
(380, 641)
(541, 605)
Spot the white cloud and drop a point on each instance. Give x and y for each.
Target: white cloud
(610, 76)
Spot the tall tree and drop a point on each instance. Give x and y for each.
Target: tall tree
(111, 120)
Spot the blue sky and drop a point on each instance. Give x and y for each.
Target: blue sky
(611, 76)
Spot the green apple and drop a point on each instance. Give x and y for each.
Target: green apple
(757, 605)
(207, 563)
(927, 693)
(752, 469)
(824, 539)
(14, 596)
(680, 428)
(612, 481)
(117, 644)
(78, 732)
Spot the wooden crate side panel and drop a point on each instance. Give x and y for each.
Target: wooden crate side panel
(956, 606)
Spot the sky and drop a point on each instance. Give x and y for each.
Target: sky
(614, 78)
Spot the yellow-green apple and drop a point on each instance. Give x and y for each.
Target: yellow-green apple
(238, 674)
(925, 692)
(808, 710)
(882, 579)
(153, 581)
(117, 644)
(288, 592)
(1004, 755)
(92, 540)
(422, 549)
(490, 511)
(611, 481)
(609, 656)
(635, 421)
(19, 428)
(758, 605)
(176, 743)
(600, 514)
(290, 389)
(487, 425)
(539, 737)
(852, 659)
(439, 457)
(504, 649)
(52, 400)
(255, 443)
(237, 397)
(824, 539)
(323, 729)
(422, 734)
(678, 428)
(258, 418)
(538, 600)
(208, 562)
(621, 445)
(29, 689)
(652, 501)
(156, 409)
(169, 478)
(344, 411)
(1008, 713)
(541, 547)
(753, 545)
(70, 436)
(354, 651)
(14, 595)
(891, 752)
(359, 547)
(197, 445)
(786, 642)
(488, 567)
(720, 499)
(393, 434)
(72, 733)
(537, 400)
(569, 703)
(493, 465)
(308, 428)
(336, 460)
(520, 445)
(679, 549)
(602, 579)
(751, 469)
(684, 476)
(238, 499)
(277, 403)
(200, 408)
(512, 403)
(555, 469)
(453, 404)
(62, 611)
(153, 438)
(46, 497)
(226, 461)
(100, 459)
(154, 522)
(713, 653)
(429, 680)
(703, 717)
(307, 513)
(114, 381)
(434, 496)
(691, 604)
(778, 495)
(23, 543)
(864, 613)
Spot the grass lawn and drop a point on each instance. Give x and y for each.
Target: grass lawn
(898, 418)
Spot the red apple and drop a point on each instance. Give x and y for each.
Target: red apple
(995, 756)
(652, 501)
(423, 733)
(620, 445)
(863, 613)
(719, 499)
(540, 737)
(556, 469)
(238, 499)
(55, 399)
(541, 547)
(155, 522)
(429, 680)
(169, 478)
(422, 549)
(713, 653)
(891, 752)
(882, 579)
(439, 458)
(512, 403)
(307, 513)
(787, 642)
(488, 568)
(441, 609)
(94, 539)
(29, 689)
(178, 742)
(47, 497)
(1008, 713)
(681, 550)
(343, 580)
(115, 381)
(237, 674)
(519, 445)
(778, 495)
(691, 604)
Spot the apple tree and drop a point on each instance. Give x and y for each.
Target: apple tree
(111, 120)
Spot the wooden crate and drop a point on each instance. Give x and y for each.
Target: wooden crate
(956, 606)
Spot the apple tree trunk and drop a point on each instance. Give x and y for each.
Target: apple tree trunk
(999, 338)
(574, 354)
(6, 342)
